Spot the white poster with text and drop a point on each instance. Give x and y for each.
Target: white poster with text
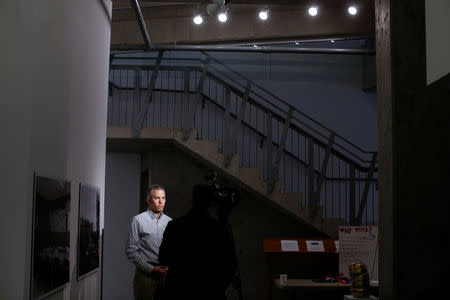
(359, 244)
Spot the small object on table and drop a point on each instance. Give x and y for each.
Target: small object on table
(342, 279)
(350, 297)
(359, 280)
(283, 279)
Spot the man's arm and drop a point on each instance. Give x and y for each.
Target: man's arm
(133, 251)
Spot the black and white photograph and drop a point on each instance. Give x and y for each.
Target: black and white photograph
(51, 236)
(88, 230)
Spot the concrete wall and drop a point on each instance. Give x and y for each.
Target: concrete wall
(53, 122)
(121, 204)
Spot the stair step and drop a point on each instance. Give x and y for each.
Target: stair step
(119, 132)
(233, 167)
(208, 151)
(251, 176)
(331, 226)
(207, 148)
(291, 201)
(160, 133)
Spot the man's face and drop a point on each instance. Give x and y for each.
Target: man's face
(156, 201)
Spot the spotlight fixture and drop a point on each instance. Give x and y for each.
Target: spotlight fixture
(223, 16)
(297, 43)
(198, 19)
(352, 10)
(255, 46)
(264, 13)
(313, 11)
(332, 41)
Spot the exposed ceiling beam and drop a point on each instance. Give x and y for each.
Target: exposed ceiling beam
(141, 22)
(262, 49)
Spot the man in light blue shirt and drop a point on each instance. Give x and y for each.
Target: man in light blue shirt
(145, 237)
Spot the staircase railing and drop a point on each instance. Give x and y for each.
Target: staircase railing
(198, 91)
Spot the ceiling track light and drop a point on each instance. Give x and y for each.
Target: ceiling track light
(264, 13)
(313, 11)
(352, 10)
(198, 19)
(223, 15)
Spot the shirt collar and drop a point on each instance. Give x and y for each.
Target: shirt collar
(153, 215)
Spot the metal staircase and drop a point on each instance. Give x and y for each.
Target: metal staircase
(245, 131)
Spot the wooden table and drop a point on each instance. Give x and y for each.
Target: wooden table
(310, 287)
(301, 263)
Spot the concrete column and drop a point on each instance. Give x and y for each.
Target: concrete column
(53, 84)
(413, 128)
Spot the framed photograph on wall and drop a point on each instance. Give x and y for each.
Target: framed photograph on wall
(50, 236)
(88, 231)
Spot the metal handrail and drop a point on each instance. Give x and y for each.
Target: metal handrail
(241, 92)
(339, 189)
(287, 104)
(304, 124)
(262, 135)
(265, 91)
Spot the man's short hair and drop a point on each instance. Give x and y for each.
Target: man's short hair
(154, 187)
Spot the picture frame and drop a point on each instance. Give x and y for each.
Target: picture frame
(50, 245)
(88, 250)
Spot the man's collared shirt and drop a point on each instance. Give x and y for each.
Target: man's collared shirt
(145, 238)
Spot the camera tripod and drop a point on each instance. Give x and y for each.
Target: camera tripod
(236, 281)
(223, 218)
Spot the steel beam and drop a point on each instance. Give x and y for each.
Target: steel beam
(362, 204)
(282, 142)
(141, 116)
(190, 118)
(352, 195)
(141, 22)
(269, 147)
(323, 172)
(228, 145)
(260, 49)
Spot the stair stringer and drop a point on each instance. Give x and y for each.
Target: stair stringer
(247, 178)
